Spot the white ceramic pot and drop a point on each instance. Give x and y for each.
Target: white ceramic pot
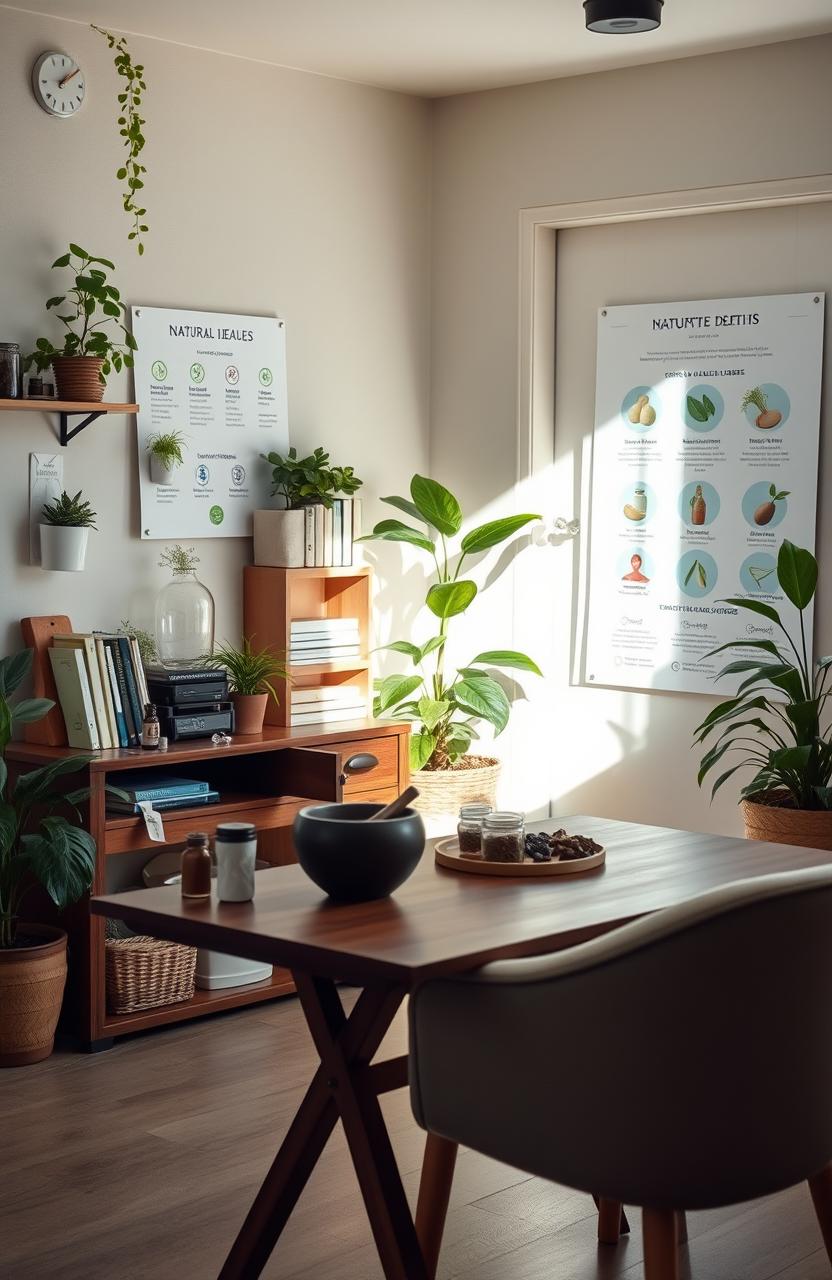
(63, 547)
(160, 472)
(279, 538)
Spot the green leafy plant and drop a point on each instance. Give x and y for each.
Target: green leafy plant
(701, 410)
(86, 307)
(131, 128)
(167, 447)
(249, 670)
(446, 708)
(69, 511)
(304, 482)
(146, 642)
(790, 748)
(179, 559)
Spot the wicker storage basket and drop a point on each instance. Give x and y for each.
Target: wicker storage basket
(442, 791)
(145, 972)
(780, 824)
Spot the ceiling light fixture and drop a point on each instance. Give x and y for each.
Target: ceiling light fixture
(623, 17)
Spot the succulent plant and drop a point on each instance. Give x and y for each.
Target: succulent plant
(71, 512)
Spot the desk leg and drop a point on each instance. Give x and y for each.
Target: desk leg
(434, 1196)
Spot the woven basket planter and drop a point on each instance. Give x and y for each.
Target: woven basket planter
(780, 824)
(442, 791)
(143, 973)
(76, 377)
(32, 982)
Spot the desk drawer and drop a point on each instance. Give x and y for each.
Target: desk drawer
(383, 775)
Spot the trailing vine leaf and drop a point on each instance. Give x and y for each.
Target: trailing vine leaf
(131, 123)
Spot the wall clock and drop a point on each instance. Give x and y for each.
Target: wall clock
(59, 84)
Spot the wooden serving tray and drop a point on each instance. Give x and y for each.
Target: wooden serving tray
(448, 855)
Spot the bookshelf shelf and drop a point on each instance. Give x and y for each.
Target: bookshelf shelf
(87, 410)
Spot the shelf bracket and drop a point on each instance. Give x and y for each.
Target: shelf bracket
(65, 434)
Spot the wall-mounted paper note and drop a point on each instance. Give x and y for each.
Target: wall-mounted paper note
(46, 481)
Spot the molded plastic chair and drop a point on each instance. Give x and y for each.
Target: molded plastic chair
(680, 1062)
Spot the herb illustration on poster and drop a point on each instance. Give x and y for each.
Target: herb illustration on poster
(705, 457)
(219, 382)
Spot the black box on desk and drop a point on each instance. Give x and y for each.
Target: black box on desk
(195, 687)
(180, 723)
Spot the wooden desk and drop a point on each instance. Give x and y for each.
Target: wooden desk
(438, 923)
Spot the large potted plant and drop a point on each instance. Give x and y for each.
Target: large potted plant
(446, 707)
(64, 532)
(96, 340)
(165, 449)
(37, 845)
(250, 675)
(279, 537)
(777, 722)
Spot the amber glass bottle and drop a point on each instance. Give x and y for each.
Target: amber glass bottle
(196, 866)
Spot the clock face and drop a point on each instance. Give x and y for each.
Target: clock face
(59, 84)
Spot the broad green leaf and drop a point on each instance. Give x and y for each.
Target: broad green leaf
(8, 828)
(421, 749)
(791, 759)
(488, 535)
(5, 724)
(755, 606)
(709, 406)
(507, 658)
(436, 642)
(768, 646)
(31, 709)
(726, 711)
(789, 680)
(446, 599)
(62, 858)
(14, 670)
(436, 504)
(804, 717)
(485, 699)
(431, 711)
(402, 646)
(79, 253)
(36, 785)
(824, 795)
(409, 508)
(697, 410)
(797, 573)
(395, 531)
(393, 689)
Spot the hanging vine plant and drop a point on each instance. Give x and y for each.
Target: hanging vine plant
(131, 124)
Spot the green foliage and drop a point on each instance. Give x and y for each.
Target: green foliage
(179, 559)
(445, 710)
(146, 642)
(87, 306)
(69, 511)
(249, 670)
(131, 128)
(167, 447)
(790, 749)
(304, 482)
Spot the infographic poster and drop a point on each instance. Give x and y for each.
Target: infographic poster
(705, 457)
(218, 384)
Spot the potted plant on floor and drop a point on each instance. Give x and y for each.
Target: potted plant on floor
(165, 449)
(250, 674)
(96, 340)
(777, 722)
(64, 532)
(446, 707)
(279, 535)
(36, 845)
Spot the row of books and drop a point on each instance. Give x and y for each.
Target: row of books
(314, 640)
(331, 532)
(102, 689)
(162, 790)
(328, 704)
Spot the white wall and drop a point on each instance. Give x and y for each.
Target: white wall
(268, 191)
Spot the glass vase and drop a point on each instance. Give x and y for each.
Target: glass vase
(184, 621)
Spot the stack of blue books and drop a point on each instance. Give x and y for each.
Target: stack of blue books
(164, 791)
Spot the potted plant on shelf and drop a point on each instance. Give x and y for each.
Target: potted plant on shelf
(279, 537)
(446, 707)
(36, 845)
(64, 532)
(250, 675)
(165, 449)
(777, 722)
(92, 347)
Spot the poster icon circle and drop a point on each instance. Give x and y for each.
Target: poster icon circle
(238, 475)
(758, 574)
(634, 567)
(216, 515)
(640, 409)
(266, 377)
(769, 408)
(159, 370)
(698, 504)
(638, 504)
(232, 375)
(201, 474)
(764, 505)
(703, 407)
(197, 372)
(697, 573)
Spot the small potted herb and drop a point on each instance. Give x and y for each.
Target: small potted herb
(64, 532)
(96, 340)
(165, 449)
(279, 537)
(250, 675)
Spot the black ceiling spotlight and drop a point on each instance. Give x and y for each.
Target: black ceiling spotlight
(623, 17)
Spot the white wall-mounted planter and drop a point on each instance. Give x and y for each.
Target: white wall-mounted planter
(279, 539)
(160, 472)
(63, 547)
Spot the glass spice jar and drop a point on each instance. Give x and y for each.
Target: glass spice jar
(503, 837)
(9, 371)
(469, 827)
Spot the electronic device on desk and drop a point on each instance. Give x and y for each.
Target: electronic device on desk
(194, 687)
(178, 723)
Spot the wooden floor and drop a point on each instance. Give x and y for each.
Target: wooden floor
(141, 1162)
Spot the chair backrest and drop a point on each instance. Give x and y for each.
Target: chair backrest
(683, 1061)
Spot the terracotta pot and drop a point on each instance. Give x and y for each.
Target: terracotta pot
(442, 791)
(32, 980)
(76, 377)
(249, 711)
(782, 824)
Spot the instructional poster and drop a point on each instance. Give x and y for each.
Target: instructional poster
(705, 457)
(218, 382)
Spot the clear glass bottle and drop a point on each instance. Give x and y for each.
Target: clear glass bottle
(196, 866)
(503, 837)
(184, 621)
(469, 827)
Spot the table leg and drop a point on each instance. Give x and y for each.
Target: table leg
(434, 1196)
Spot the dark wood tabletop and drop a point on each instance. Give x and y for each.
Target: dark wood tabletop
(442, 921)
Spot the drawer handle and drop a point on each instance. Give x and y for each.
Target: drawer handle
(363, 762)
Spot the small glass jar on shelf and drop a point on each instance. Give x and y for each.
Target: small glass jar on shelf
(503, 837)
(469, 827)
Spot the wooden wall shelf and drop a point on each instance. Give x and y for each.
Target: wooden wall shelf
(87, 410)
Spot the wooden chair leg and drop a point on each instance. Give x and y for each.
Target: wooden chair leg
(821, 1188)
(434, 1195)
(681, 1226)
(661, 1261)
(609, 1220)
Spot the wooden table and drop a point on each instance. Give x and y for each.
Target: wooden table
(439, 923)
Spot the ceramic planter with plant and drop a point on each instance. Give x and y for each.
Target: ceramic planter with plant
(165, 449)
(251, 673)
(96, 340)
(445, 707)
(777, 724)
(279, 537)
(64, 532)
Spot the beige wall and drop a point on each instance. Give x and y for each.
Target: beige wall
(268, 191)
(738, 117)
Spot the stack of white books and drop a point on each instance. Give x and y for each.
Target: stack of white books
(329, 704)
(314, 640)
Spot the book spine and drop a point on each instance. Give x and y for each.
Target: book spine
(346, 537)
(129, 713)
(328, 717)
(138, 668)
(132, 686)
(356, 529)
(109, 706)
(324, 696)
(338, 532)
(309, 537)
(173, 802)
(165, 792)
(319, 536)
(121, 724)
(300, 625)
(74, 696)
(84, 644)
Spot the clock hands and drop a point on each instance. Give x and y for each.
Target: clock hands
(68, 77)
